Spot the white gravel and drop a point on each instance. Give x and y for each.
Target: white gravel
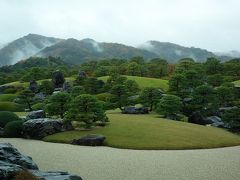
(104, 163)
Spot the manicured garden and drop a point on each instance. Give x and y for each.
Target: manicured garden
(152, 132)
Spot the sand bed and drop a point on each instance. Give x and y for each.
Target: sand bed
(104, 163)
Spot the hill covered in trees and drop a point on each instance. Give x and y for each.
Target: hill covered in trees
(79, 51)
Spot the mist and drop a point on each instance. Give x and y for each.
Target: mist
(211, 25)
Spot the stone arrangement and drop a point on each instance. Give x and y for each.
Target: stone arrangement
(13, 162)
(135, 110)
(36, 114)
(90, 140)
(39, 128)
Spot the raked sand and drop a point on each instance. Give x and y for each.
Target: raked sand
(104, 163)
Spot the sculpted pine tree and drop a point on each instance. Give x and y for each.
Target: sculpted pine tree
(149, 97)
(58, 104)
(86, 108)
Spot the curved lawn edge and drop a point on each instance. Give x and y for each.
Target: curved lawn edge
(147, 132)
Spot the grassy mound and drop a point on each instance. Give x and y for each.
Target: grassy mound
(26, 84)
(7, 117)
(11, 106)
(151, 132)
(7, 97)
(145, 82)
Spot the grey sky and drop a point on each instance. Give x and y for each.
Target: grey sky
(208, 24)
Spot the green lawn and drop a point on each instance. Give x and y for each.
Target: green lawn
(25, 84)
(7, 97)
(145, 82)
(22, 114)
(151, 132)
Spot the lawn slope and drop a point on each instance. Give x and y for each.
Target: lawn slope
(150, 132)
(145, 82)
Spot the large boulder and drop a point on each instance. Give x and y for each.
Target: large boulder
(39, 128)
(215, 121)
(90, 140)
(39, 96)
(12, 162)
(11, 155)
(67, 87)
(55, 175)
(33, 85)
(58, 79)
(198, 118)
(36, 114)
(135, 110)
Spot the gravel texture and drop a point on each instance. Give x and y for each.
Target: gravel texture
(105, 163)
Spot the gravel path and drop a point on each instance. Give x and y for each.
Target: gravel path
(104, 163)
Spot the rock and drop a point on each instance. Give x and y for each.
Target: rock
(12, 162)
(82, 74)
(197, 118)
(52, 175)
(135, 110)
(90, 140)
(67, 87)
(36, 114)
(39, 128)
(39, 97)
(33, 86)
(8, 170)
(58, 79)
(215, 121)
(9, 154)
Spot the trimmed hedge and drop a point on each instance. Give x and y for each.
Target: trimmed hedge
(13, 129)
(11, 106)
(38, 106)
(7, 97)
(6, 117)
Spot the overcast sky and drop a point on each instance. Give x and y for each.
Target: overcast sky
(208, 24)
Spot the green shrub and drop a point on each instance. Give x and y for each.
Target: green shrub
(6, 117)
(10, 90)
(7, 97)
(11, 106)
(103, 96)
(13, 129)
(38, 106)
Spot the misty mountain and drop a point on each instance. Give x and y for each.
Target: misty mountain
(234, 54)
(24, 47)
(76, 52)
(173, 52)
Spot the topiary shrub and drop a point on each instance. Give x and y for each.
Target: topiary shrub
(10, 106)
(13, 129)
(10, 90)
(6, 117)
(7, 97)
(38, 106)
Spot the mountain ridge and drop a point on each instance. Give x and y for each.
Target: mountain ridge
(78, 51)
